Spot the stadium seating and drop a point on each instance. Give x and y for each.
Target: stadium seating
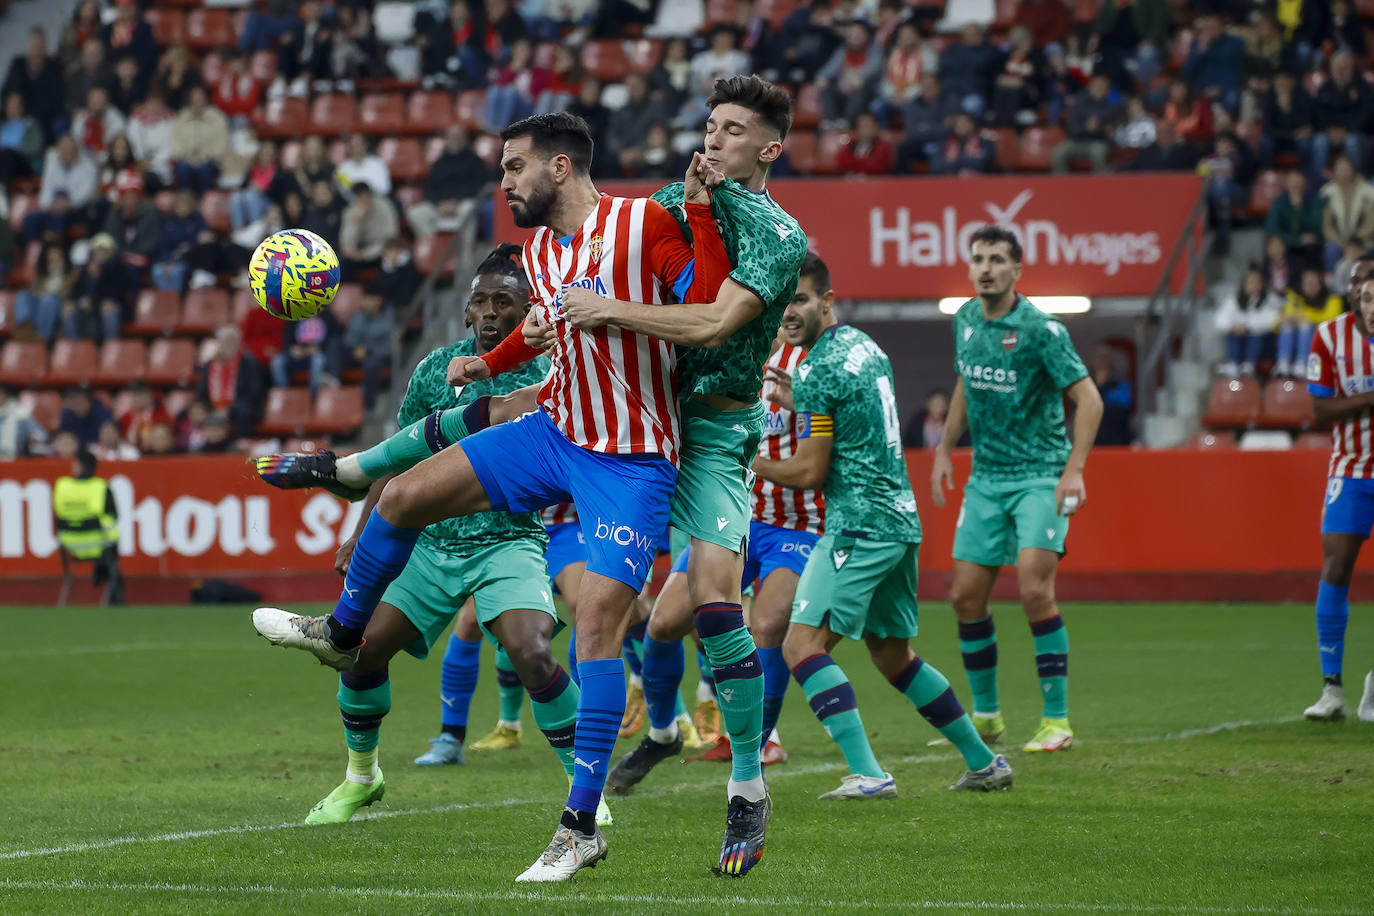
(168, 25)
(1037, 148)
(1266, 189)
(1313, 439)
(1208, 441)
(1234, 403)
(121, 362)
(429, 112)
(808, 111)
(1008, 145)
(72, 362)
(23, 363)
(382, 113)
(828, 152)
(337, 410)
(20, 206)
(204, 311)
(209, 28)
(176, 402)
(643, 55)
(6, 313)
(214, 208)
(800, 147)
(1286, 405)
(404, 158)
(332, 114)
(284, 117)
(470, 108)
(171, 361)
(605, 60)
(241, 304)
(287, 412)
(429, 249)
(347, 300)
(156, 312)
(488, 147)
(44, 406)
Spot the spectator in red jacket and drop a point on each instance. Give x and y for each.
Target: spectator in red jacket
(237, 93)
(867, 153)
(146, 411)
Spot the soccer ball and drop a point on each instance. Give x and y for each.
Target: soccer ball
(294, 274)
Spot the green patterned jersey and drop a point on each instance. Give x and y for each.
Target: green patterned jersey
(766, 246)
(844, 387)
(1015, 370)
(429, 391)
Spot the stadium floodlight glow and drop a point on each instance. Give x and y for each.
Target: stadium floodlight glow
(1054, 305)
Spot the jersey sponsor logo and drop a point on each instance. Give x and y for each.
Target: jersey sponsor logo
(989, 378)
(623, 535)
(906, 502)
(1314, 368)
(797, 547)
(1009, 341)
(774, 423)
(592, 283)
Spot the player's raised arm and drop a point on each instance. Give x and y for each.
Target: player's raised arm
(956, 422)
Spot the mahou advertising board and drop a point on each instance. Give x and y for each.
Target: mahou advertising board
(907, 238)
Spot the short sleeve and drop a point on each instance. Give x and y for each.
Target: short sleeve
(811, 392)
(1060, 359)
(1321, 368)
(669, 252)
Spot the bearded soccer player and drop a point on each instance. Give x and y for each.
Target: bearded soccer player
(1016, 365)
(605, 436)
(860, 581)
(1340, 377)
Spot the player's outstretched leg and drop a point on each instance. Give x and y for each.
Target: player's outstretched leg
(511, 693)
(457, 683)
(364, 699)
(298, 471)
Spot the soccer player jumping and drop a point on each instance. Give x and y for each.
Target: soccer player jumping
(1015, 366)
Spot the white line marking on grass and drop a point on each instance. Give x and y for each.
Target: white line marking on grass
(587, 895)
(810, 770)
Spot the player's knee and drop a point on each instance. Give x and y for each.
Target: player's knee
(1038, 600)
(371, 659)
(534, 664)
(1338, 568)
(967, 601)
(398, 500)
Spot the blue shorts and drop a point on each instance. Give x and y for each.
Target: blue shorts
(1349, 507)
(622, 500)
(770, 548)
(566, 547)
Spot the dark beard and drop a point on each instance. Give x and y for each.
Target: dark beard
(537, 205)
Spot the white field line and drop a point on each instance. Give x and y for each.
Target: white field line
(774, 776)
(586, 896)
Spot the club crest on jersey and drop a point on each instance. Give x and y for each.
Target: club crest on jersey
(1009, 341)
(595, 246)
(1314, 368)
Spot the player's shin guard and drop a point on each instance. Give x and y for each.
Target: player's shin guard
(832, 699)
(1333, 609)
(457, 683)
(509, 688)
(775, 678)
(599, 711)
(930, 693)
(381, 553)
(554, 706)
(364, 699)
(1052, 664)
(739, 683)
(663, 665)
(978, 643)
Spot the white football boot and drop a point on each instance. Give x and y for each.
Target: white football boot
(1366, 708)
(857, 786)
(568, 853)
(293, 631)
(1330, 708)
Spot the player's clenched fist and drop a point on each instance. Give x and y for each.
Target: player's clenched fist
(584, 309)
(700, 176)
(463, 370)
(537, 334)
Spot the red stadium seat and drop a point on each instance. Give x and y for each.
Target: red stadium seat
(23, 363)
(304, 444)
(408, 195)
(21, 205)
(168, 25)
(1313, 439)
(6, 313)
(808, 111)
(1037, 146)
(332, 113)
(73, 362)
(1234, 403)
(171, 361)
(22, 274)
(828, 152)
(488, 148)
(45, 407)
(381, 113)
(121, 361)
(605, 60)
(284, 117)
(177, 400)
(241, 304)
(155, 313)
(1008, 146)
(347, 300)
(470, 109)
(404, 158)
(1285, 405)
(643, 55)
(209, 28)
(214, 207)
(1266, 189)
(337, 410)
(429, 112)
(1208, 440)
(204, 311)
(287, 413)
(429, 249)
(800, 147)
(263, 66)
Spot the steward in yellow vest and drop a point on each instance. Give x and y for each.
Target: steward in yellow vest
(87, 526)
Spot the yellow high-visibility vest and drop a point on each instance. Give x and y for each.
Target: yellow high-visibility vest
(84, 528)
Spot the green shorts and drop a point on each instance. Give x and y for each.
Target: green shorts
(435, 584)
(1001, 518)
(854, 586)
(715, 479)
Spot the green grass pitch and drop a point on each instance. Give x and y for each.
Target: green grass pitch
(162, 759)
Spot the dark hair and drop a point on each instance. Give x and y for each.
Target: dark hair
(771, 103)
(556, 133)
(814, 268)
(504, 261)
(993, 235)
(85, 460)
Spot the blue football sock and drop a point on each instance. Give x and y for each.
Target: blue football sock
(633, 647)
(664, 663)
(1333, 609)
(599, 711)
(381, 553)
(775, 680)
(457, 682)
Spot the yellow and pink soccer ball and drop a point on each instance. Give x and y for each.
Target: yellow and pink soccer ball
(294, 274)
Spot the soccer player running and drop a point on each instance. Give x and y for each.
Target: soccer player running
(605, 437)
(1340, 377)
(726, 341)
(860, 581)
(497, 559)
(1015, 366)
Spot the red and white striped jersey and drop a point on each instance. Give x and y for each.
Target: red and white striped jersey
(802, 510)
(611, 390)
(1341, 365)
(560, 514)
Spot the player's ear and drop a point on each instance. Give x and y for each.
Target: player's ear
(770, 152)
